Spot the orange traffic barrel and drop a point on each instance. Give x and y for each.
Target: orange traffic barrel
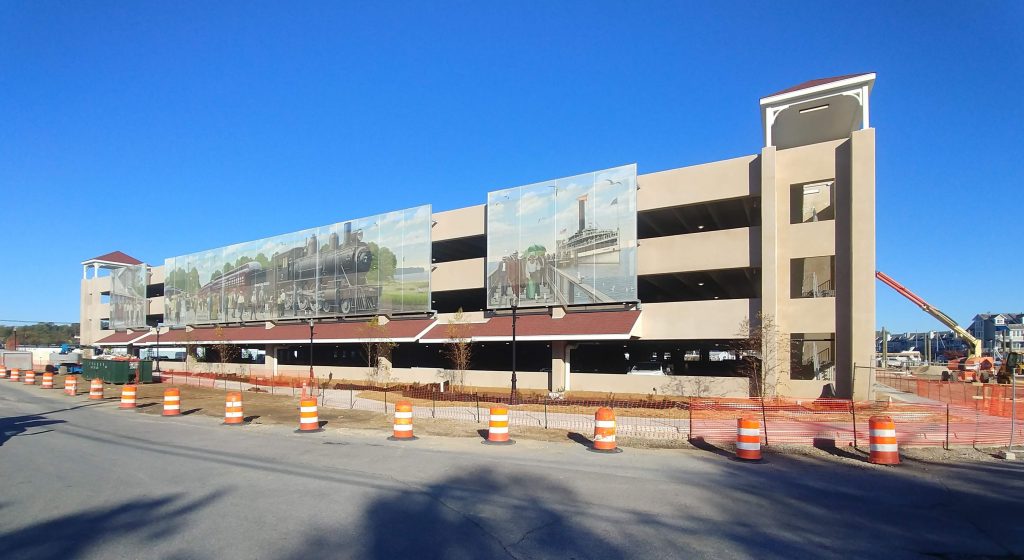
(233, 409)
(309, 421)
(128, 396)
(96, 389)
(882, 437)
(748, 439)
(403, 422)
(3, 372)
(172, 402)
(30, 377)
(71, 385)
(15, 375)
(47, 380)
(604, 431)
(497, 430)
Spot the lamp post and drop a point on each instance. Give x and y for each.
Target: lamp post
(515, 305)
(311, 354)
(157, 370)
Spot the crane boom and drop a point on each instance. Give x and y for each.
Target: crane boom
(974, 344)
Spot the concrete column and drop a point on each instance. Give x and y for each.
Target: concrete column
(774, 265)
(559, 377)
(855, 264)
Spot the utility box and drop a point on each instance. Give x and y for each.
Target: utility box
(11, 359)
(118, 372)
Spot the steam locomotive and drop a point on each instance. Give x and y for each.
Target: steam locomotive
(301, 282)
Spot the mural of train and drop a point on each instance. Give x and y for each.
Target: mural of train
(301, 281)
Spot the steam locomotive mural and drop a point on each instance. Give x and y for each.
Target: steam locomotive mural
(361, 267)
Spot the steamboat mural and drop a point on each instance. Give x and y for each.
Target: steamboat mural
(569, 241)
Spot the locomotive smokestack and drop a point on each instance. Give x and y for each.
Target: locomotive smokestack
(332, 241)
(348, 232)
(311, 246)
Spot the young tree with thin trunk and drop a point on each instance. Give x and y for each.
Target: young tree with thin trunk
(458, 350)
(763, 354)
(377, 348)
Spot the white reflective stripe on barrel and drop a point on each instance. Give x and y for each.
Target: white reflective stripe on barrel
(748, 446)
(748, 431)
(885, 447)
(307, 409)
(403, 415)
(499, 430)
(499, 418)
(313, 420)
(403, 428)
(232, 414)
(891, 432)
(604, 423)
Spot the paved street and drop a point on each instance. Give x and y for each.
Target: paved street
(85, 480)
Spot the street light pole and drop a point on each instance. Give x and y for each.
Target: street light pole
(157, 370)
(311, 354)
(515, 305)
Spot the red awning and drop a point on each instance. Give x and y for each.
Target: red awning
(121, 338)
(408, 330)
(602, 325)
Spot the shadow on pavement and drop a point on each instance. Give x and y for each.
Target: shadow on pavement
(17, 425)
(76, 534)
(480, 514)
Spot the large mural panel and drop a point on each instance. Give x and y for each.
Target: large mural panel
(374, 265)
(128, 297)
(569, 241)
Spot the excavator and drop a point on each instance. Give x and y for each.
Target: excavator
(973, 367)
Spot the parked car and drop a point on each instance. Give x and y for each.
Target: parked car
(647, 368)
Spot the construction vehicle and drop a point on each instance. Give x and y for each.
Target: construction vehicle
(973, 367)
(1013, 364)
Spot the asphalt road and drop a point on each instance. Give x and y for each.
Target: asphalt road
(85, 480)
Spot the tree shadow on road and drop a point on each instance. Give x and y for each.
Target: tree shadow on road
(17, 425)
(480, 514)
(77, 534)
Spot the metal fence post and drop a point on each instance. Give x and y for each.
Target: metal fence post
(764, 419)
(947, 426)
(546, 418)
(477, 398)
(853, 412)
(385, 399)
(433, 404)
(690, 414)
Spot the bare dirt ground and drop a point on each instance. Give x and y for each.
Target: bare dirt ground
(281, 408)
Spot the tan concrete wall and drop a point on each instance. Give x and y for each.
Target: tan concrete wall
(812, 239)
(809, 315)
(457, 275)
(461, 222)
(698, 183)
(157, 274)
(474, 378)
(713, 250)
(661, 385)
(91, 310)
(695, 319)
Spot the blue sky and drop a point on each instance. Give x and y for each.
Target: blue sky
(162, 128)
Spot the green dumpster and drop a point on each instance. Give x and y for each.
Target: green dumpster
(118, 371)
